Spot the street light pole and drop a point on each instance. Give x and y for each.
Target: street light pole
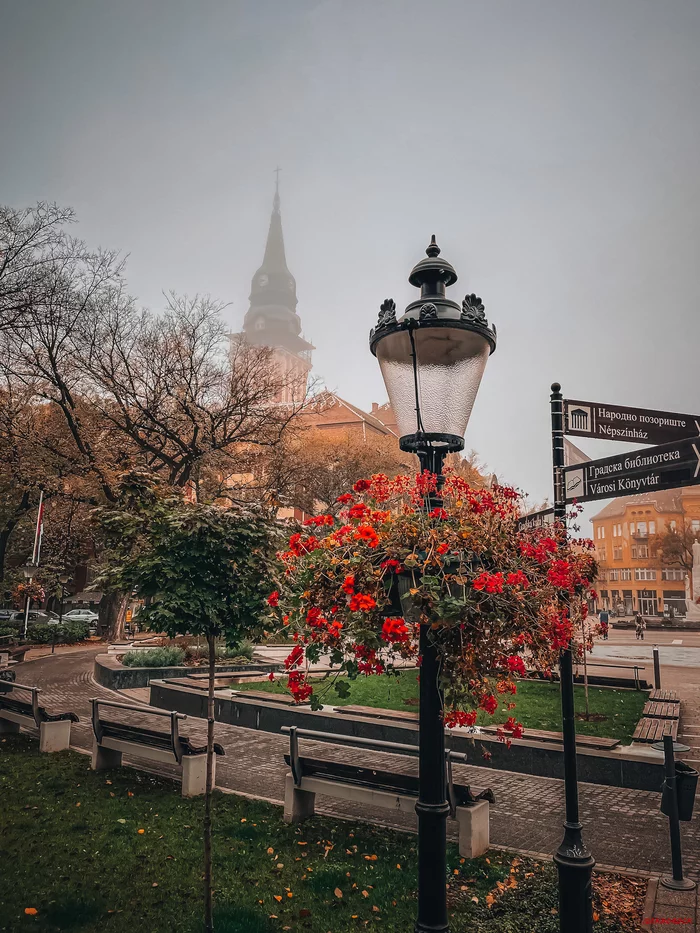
(432, 360)
(573, 860)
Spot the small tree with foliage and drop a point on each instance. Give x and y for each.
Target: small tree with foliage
(201, 570)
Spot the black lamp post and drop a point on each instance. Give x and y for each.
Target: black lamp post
(432, 359)
(63, 580)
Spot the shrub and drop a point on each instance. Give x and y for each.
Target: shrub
(9, 630)
(65, 634)
(243, 649)
(154, 657)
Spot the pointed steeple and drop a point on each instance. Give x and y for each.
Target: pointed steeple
(273, 284)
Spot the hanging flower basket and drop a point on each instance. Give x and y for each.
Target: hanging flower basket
(496, 598)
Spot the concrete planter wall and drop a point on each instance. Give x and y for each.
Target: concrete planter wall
(641, 770)
(111, 673)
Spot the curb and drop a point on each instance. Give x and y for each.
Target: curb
(649, 902)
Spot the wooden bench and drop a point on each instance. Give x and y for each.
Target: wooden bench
(653, 730)
(374, 787)
(658, 709)
(113, 739)
(54, 729)
(664, 696)
(543, 735)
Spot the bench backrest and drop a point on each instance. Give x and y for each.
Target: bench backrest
(138, 735)
(392, 781)
(30, 707)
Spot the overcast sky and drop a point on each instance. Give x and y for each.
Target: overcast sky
(553, 147)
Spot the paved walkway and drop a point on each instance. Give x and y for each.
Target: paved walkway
(623, 828)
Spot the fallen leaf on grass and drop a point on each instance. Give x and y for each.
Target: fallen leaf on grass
(278, 897)
(270, 851)
(490, 899)
(121, 821)
(365, 893)
(338, 892)
(31, 911)
(375, 908)
(141, 832)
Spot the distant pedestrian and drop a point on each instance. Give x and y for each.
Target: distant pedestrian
(604, 618)
(639, 626)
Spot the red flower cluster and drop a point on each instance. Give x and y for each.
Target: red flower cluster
(367, 662)
(349, 584)
(299, 545)
(438, 513)
(320, 520)
(362, 603)
(442, 548)
(491, 582)
(345, 498)
(511, 729)
(362, 485)
(488, 703)
(515, 665)
(274, 599)
(395, 631)
(541, 551)
(393, 566)
(518, 579)
(459, 717)
(367, 534)
(298, 687)
(294, 658)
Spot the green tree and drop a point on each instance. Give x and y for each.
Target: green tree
(202, 570)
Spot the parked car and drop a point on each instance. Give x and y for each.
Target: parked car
(81, 615)
(36, 617)
(6, 615)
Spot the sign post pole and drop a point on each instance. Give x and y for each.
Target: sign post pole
(573, 860)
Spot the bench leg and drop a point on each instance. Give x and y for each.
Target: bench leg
(103, 758)
(473, 829)
(299, 805)
(194, 775)
(7, 727)
(54, 736)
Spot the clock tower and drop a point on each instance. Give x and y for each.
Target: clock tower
(272, 319)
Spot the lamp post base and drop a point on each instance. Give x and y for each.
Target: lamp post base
(685, 884)
(575, 866)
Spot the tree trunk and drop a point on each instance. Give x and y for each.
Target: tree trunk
(113, 614)
(208, 892)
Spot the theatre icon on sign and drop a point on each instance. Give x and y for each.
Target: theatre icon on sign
(580, 418)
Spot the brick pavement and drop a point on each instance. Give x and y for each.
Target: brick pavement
(623, 828)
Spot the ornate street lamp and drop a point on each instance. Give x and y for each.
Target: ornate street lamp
(432, 359)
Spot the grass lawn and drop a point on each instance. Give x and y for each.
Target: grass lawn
(537, 703)
(120, 852)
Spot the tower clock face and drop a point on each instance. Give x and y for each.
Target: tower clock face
(262, 280)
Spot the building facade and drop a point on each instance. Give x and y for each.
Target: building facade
(632, 576)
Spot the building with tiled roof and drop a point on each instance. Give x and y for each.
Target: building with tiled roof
(632, 576)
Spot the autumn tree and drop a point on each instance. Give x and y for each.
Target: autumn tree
(675, 547)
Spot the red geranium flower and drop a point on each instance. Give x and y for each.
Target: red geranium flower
(362, 603)
(273, 599)
(349, 584)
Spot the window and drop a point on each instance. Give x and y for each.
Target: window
(640, 551)
(672, 574)
(640, 573)
(695, 525)
(625, 574)
(617, 553)
(602, 576)
(613, 575)
(631, 528)
(601, 553)
(672, 525)
(642, 529)
(617, 531)
(652, 528)
(601, 532)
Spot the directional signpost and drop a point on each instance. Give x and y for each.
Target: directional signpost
(646, 470)
(536, 519)
(619, 423)
(675, 462)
